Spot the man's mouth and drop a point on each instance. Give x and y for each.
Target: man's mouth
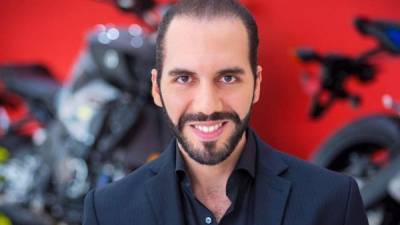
(208, 131)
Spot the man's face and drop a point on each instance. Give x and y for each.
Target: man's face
(207, 87)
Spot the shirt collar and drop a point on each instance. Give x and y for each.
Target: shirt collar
(180, 167)
(246, 162)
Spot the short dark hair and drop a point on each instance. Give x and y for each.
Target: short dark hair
(208, 9)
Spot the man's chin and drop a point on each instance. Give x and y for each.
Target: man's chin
(207, 153)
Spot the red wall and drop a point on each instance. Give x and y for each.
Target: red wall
(52, 32)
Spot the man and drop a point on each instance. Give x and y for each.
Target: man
(217, 170)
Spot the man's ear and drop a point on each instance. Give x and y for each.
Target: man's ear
(155, 89)
(257, 87)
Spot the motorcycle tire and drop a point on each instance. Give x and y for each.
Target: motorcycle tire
(377, 130)
(362, 149)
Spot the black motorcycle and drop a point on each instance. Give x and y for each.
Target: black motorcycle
(104, 126)
(368, 148)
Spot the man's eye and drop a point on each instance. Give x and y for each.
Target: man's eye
(228, 79)
(183, 79)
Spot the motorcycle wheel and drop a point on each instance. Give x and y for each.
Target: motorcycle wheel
(361, 149)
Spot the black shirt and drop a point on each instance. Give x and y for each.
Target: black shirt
(238, 189)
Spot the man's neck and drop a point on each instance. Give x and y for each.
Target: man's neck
(205, 177)
(209, 182)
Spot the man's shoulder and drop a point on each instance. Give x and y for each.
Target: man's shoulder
(314, 187)
(131, 186)
(124, 198)
(295, 169)
(305, 171)
(135, 182)
(314, 192)
(309, 180)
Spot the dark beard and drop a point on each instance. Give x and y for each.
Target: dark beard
(210, 155)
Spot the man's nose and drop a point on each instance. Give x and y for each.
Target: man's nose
(208, 100)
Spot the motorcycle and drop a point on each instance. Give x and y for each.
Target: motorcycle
(368, 148)
(104, 126)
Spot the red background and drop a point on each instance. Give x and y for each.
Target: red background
(52, 32)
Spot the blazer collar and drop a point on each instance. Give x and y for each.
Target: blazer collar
(163, 190)
(271, 189)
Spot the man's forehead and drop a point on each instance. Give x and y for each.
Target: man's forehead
(205, 23)
(190, 38)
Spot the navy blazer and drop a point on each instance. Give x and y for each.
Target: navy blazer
(288, 191)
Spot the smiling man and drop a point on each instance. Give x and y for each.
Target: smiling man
(217, 170)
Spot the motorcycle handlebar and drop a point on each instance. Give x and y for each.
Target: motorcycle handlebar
(387, 33)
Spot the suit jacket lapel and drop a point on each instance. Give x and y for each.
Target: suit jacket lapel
(271, 190)
(271, 198)
(163, 191)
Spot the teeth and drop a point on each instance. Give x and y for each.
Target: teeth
(208, 129)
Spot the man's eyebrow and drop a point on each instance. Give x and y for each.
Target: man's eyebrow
(233, 70)
(178, 71)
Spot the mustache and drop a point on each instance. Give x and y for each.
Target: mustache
(201, 117)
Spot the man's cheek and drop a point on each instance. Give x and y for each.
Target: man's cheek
(176, 112)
